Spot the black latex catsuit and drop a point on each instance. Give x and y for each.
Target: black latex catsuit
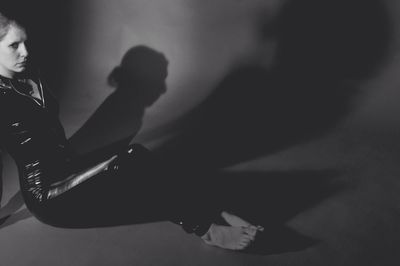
(61, 189)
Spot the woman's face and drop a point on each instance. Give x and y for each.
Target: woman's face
(13, 52)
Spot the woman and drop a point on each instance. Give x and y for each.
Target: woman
(104, 188)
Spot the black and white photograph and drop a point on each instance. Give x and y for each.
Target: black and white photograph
(199, 133)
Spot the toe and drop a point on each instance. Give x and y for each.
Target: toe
(260, 228)
(244, 244)
(249, 237)
(250, 231)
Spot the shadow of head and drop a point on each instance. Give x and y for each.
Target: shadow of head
(142, 73)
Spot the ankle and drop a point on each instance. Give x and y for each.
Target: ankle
(199, 228)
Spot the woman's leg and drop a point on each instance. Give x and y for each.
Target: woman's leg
(137, 188)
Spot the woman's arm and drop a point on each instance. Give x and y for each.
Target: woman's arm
(40, 159)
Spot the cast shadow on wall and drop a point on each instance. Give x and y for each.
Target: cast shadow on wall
(138, 81)
(325, 50)
(323, 53)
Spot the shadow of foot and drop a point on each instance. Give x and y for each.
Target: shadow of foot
(280, 239)
(274, 199)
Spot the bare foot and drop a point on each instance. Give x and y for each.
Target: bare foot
(229, 237)
(234, 220)
(236, 236)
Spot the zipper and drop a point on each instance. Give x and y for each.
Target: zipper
(40, 102)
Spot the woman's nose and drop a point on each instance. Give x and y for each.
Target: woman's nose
(23, 50)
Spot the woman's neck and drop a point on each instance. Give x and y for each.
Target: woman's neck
(13, 76)
(3, 77)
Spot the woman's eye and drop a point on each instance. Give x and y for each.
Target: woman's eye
(14, 45)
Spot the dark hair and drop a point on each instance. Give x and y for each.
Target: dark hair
(5, 23)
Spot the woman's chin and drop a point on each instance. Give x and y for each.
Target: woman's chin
(20, 69)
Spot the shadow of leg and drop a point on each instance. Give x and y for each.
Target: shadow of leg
(14, 218)
(12, 205)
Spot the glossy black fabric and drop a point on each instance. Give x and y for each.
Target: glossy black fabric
(128, 188)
